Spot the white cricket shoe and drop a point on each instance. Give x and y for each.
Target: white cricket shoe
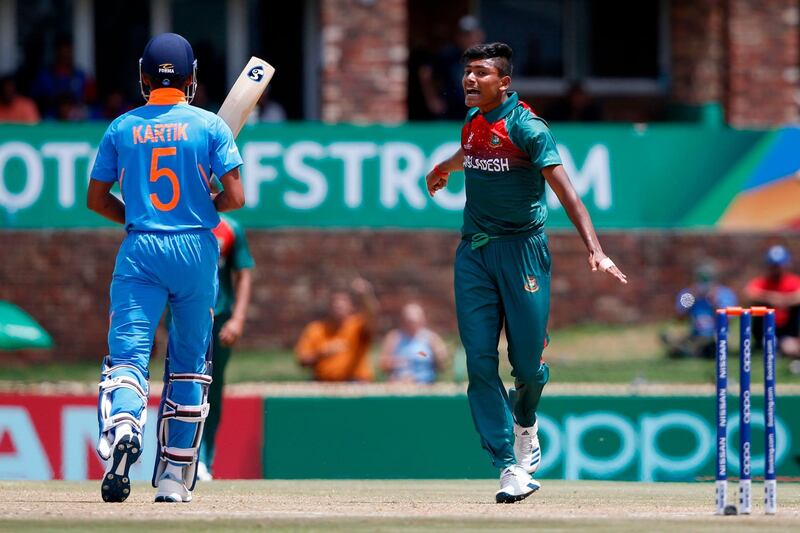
(172, 490)
(203, 474)
(515, 484)
(526, 447)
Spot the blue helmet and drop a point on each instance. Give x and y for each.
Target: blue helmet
(168, 59)
(778, 256)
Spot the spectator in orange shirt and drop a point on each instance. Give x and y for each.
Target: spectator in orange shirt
(780, 289)
(15, 108)
(337, 347)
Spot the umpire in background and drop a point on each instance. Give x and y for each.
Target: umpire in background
(235, 286)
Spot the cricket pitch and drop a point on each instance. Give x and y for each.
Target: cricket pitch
(389, 505)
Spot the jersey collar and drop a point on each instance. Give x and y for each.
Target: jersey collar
(503, 109)
(167, 96)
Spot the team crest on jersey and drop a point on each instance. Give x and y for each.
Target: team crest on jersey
(495, 140)
(531, 284)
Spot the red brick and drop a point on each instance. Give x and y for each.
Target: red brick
(67, 291)
(364, 61)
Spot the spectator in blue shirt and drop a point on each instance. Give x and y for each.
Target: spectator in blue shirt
(413, 353)
(698, 304)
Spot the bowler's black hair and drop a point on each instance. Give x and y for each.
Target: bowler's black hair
(501, 53)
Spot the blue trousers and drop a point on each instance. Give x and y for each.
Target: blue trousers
(151, 270)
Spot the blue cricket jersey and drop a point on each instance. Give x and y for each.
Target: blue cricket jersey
(163, 155)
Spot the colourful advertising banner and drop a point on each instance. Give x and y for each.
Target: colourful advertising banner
(341, 176)
(54, 437)
(633, 438)
(583, 437)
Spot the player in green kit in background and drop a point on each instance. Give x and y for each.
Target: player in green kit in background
(235, 283)
(502, 265)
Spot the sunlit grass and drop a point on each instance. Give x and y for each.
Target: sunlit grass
(586, 353)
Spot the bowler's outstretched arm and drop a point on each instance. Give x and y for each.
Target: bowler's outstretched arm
(559, 181)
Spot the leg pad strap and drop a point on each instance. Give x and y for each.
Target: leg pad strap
(193, 414)
(112, 380)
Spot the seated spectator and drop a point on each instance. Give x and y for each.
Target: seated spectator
(699, 303)
(337, 347)
(269, 110)
(15, 108)
(780, 289)
(69, 109)
(440, 81)
(413, 353)
(113, 105)
(63, 91)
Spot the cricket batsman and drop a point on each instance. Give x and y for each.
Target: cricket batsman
(162, 155)
(502, 265)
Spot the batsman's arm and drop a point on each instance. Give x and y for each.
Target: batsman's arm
(437, 177)
(100, 200)
(232, 197)
(559, 181)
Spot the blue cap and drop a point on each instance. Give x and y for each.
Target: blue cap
(168, 57)
(778, 256)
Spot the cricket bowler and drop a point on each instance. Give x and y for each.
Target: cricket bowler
(502, 265)
(162, 155)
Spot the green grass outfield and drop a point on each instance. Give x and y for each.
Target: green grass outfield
(388, 506)
(582, 354)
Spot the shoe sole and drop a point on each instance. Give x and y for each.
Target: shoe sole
(116, 486)
(168, 499)
(172, 498)
(504, 497)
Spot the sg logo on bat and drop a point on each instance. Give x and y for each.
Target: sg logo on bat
(256, 74)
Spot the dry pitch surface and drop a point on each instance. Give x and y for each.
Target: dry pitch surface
(387, 506)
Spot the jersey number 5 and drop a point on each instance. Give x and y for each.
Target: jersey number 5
(158, 173)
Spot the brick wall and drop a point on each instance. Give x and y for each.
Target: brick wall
(697, 52)
(744, 54)
(364, 54)
(763, 61)
(62, 278)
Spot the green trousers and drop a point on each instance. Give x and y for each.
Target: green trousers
(504, 283)
(220, 361)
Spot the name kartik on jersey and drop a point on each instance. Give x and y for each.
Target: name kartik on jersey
(160, 133)
(494, 164)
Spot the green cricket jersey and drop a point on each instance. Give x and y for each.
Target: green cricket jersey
(234, 254)
(504, 153)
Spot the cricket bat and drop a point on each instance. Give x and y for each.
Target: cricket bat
(243, 97)
(245, 93)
